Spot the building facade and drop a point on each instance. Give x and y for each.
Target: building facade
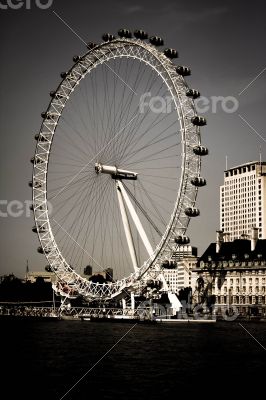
(32, 276)
(233, 275)
(243, 200)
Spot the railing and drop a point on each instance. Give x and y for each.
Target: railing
(74, 312)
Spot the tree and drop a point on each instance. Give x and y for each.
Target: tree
(185, 294)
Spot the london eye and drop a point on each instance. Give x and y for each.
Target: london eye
(117, 165)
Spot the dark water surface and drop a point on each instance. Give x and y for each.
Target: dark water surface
(44, 359)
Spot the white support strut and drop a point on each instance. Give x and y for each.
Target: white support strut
(136, 219)
(127, 229)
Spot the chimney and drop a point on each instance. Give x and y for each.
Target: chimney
(254, 237)
(219, 240)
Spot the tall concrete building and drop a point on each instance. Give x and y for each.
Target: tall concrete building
(243, 201)
(178, 272)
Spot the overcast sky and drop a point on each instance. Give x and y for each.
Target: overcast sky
(222, 41)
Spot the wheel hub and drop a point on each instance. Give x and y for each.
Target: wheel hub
(116, 173)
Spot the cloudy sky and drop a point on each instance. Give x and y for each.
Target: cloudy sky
(222, 41)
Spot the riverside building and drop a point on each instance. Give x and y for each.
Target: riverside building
(233, 275)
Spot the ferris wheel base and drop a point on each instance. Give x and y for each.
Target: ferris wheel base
(174, 301)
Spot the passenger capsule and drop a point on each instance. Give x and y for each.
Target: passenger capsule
(31, 207)
(37, 185)
(40, 250)
(198, 121)
(38, 160)
(34, 229)
(41, 138)
(43, 251)
(150, 282)
(54, 94)
(200, 150)
(63, 75)
(184, 71)
(125, 33)
(198, 181)
(140, 34)
(108, 37)
(192, 212)
(48, 115)
(91, 45)
(182, 240)
(76, 58)
(170, 53)
(156, 41)
(193, 93)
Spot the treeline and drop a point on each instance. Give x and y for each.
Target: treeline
(13, 289)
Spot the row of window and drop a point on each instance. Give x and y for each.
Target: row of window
(241, 300)
(244, 289)
(245, 280)
(240, 170)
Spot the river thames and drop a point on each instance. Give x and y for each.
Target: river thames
(45, 359)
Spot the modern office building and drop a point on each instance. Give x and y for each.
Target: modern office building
(243, 201)
(178, 272)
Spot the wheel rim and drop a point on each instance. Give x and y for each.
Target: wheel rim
(189, 163)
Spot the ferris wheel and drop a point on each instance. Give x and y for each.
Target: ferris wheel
(116, 168)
